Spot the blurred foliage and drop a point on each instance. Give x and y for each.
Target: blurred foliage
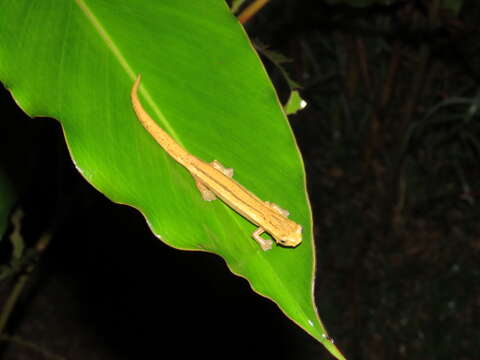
(235, 5)
(7, 199)
(452, 5)
(392, 141)
(363, 3)
(278, 60)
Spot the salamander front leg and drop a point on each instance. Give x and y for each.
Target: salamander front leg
(265, 244)
(206, 193)
(278, 209)
(226, 171)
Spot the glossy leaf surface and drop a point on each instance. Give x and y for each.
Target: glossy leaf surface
(203, 83)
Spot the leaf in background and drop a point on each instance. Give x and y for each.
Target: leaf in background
(7, 199)
(16, 237)
(76, 61)
(454, 5)
(236, 4)
(17, 157)
(277, 59)
(294, 103)
(363, 3)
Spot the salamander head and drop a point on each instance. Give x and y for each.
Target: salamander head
(292, 238)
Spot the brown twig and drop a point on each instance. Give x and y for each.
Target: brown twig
(251, 10)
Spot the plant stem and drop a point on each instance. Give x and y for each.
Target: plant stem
(251, 10)
(40, 246)
(16, 340)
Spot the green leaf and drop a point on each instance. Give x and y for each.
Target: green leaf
(294, 103)
(202, 82)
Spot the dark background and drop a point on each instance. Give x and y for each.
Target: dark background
(395, 195)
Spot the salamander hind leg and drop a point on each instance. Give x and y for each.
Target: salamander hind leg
(265, 244)
(206, 193)
(226, 171)
(277, 208)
